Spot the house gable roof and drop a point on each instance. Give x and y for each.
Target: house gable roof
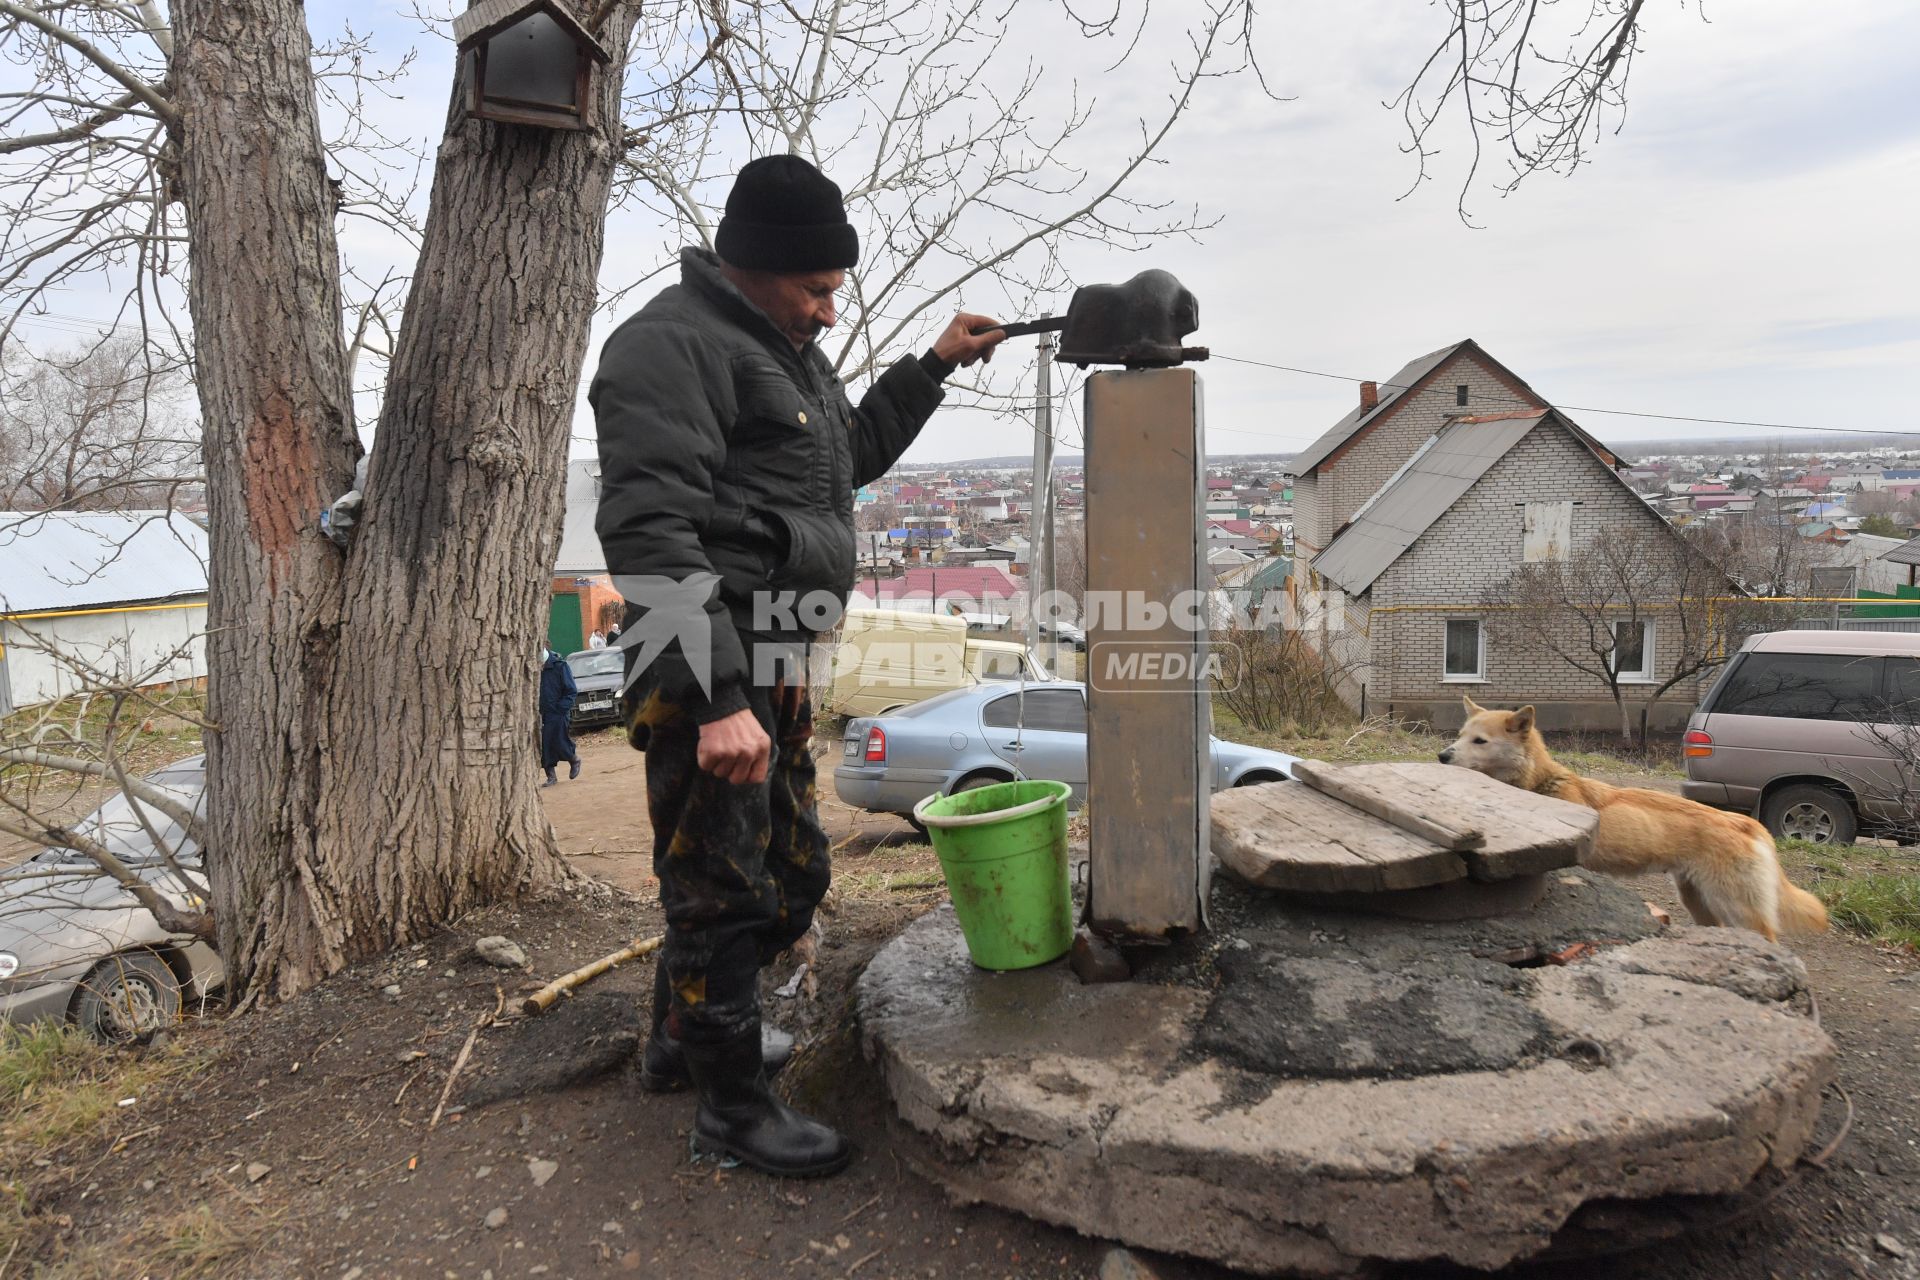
(1393, 392)
(1437, 476)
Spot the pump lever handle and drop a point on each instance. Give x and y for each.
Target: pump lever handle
(1021, 328)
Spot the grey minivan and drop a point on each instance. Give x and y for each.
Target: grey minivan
(1816, 733)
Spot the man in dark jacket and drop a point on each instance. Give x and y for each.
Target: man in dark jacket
(729, 453)
(558, 693)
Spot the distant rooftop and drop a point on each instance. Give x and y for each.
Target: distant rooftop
(51, 561)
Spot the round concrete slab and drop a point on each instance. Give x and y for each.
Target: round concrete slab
(1318, 1094)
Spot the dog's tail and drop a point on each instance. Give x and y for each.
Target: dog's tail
(1800, 911)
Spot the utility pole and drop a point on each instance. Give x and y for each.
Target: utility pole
(1040, 520)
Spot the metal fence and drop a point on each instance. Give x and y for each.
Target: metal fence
(1833, 613)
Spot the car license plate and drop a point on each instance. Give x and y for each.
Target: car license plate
(599, 704)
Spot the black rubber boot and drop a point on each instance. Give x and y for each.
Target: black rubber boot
(739, 1116)
(663, 1067)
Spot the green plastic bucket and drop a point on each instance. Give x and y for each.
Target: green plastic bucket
(1004, 851)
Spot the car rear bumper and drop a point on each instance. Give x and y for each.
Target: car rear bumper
(1713, 793)
(1722, 795)
(884, 790)
(45, 1002)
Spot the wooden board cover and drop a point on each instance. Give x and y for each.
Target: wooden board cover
(1526, 834)
(1283, 835)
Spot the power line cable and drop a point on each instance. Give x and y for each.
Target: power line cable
(1569, 408)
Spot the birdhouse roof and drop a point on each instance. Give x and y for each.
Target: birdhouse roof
(489, 18)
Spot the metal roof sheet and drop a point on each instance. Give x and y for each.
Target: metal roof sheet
(1406, 507)
(85, 559)
(579, 551)
(1390, 393)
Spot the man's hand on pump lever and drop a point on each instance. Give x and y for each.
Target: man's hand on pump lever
(969, 338)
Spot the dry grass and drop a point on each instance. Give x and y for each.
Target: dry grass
(59, 1091)
(204, 1242)
(1869, 890)
(889, 872)
(1381, 740)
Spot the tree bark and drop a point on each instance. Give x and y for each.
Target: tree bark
(371, 773)
(279, 444)
(435, 712)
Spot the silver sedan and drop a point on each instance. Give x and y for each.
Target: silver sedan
(977, 736)
(76, 945)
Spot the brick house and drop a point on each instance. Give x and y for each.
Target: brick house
(1423, 500)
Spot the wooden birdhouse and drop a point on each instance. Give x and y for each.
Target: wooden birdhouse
(528, 62)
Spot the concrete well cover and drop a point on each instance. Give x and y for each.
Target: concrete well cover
(1466, 1120)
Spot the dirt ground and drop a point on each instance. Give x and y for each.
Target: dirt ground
(309, 1128)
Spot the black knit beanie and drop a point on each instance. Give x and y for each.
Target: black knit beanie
(785, 215)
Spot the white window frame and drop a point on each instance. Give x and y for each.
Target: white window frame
(1648, 634)
(1479, 673)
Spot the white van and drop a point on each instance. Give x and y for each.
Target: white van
(893, 658)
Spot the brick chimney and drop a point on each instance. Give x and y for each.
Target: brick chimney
(1369, 396)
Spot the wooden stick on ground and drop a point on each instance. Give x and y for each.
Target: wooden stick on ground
(543, 999)
(486, 1020)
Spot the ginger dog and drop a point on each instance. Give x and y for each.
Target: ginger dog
(1724, 864)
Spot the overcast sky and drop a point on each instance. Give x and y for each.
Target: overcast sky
(1743, 249)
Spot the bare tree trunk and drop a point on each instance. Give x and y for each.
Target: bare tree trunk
(279, 444)
(372, 770)
(439, 806)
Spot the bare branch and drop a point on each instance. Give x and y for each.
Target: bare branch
(140, 89)
(1548, 90)
(76, 133)
(198, 924)
(138, 788)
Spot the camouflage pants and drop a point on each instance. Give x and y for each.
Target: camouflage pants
(741, 867)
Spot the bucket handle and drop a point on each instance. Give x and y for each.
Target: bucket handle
(945, 822)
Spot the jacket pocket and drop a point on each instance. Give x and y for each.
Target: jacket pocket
(781, 443)
(819, 552)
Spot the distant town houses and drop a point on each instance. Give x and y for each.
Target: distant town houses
(1397, 528)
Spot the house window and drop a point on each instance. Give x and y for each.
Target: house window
(1633, 649)
(1466, 650)
(1460, 394)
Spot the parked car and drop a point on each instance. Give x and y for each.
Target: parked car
(1815, 733)
(76, 945)
(598, 674)
(892, 658)
(975, 737)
